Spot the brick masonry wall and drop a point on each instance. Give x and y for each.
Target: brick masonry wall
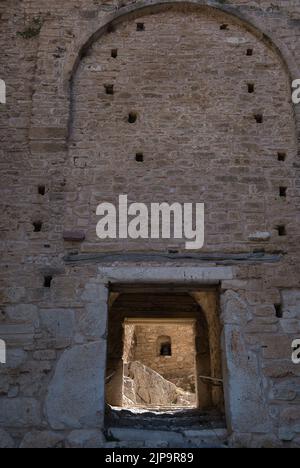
(181, 366)
(195, 127)
(225, 159)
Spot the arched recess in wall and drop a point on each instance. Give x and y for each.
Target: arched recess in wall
(144, 7)
(186, 97)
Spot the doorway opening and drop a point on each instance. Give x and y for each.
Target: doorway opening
(159, 363)
(164, 354)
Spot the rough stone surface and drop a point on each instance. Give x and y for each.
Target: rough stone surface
(260, 236)
(19, 412)
(6, 441)
(86, 439)
(153, 436)
(147, 387)
(248, 406)
(42, 440)
(58, 324)
(75, 396)
(179, 367)
(235, 310)
(91, 323)
(66, 146)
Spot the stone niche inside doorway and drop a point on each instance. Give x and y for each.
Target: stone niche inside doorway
(164, 349)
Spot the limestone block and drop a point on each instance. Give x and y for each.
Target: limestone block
(234, 309)
(15, 358)
(95, 293)
(240, 440)
(86, 439)
(279, 369)
(291, 297)
(126, 434)
(276, 348)
(247, 405)
(43, 440)
(19, 412)
(6, 442)
(291, 303)
(286, 434)
(211, 437)
(163, 274)
(23, 313)
(234, 285)
(75, 398)
(58, 323)
(16, 294)
(262, 325)
(17, 334)
(290, 417)
(266, 441)
(264, 311)
(150, 388)
(260, 236)
(4, 382)
(291, 326)
(45, 355)
(92, 322)
(286, 390)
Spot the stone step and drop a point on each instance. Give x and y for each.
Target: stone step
(180, 438)
(169, 420)
(208, 436)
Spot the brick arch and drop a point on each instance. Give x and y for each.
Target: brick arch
(143, 7)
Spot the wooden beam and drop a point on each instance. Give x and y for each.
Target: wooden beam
(215, 258)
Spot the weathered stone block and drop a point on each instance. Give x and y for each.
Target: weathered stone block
(19, 412)
(86, 439)
(260, 236)
(95, 293)
(291, 326)
(42, 440)
(234, 309)
(263, 325)
(136, 435)
(45, 355)
(280, 369)
(75, 396)
(247, 405)
(58, 323)
(6, 442)
(276, 347)
(15, 358)
(91, 322)
(290, 417)
(265, 311)
(285, 390)
(23, 313)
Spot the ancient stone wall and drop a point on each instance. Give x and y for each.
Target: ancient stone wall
(66, 145)
(180, 367)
